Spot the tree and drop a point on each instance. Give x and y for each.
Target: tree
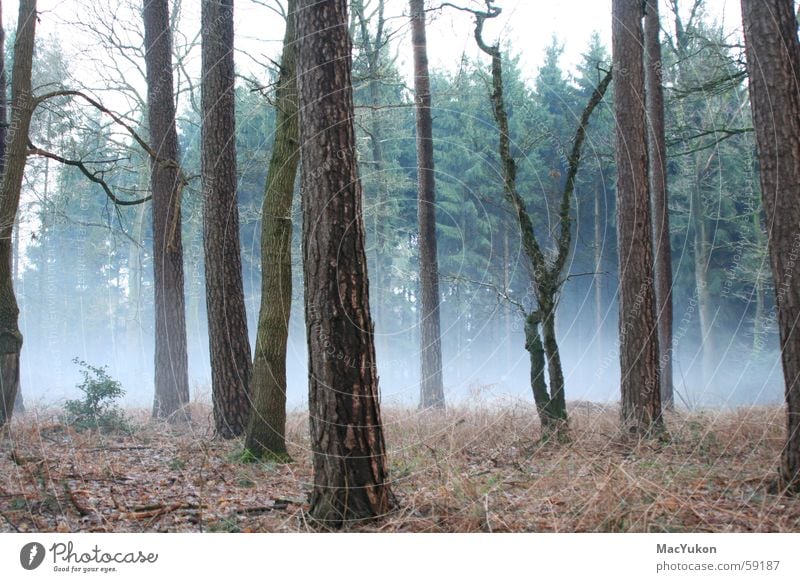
(229, 346)
(657, 174)
(685, 46)
(639, 356)
(3, 96)
(22, 104)
(773, 66)
(546, 272)
(349, 454)
(166, 182)
(372, 47)
(266, 429)
(431, 387)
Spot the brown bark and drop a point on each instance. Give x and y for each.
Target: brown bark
(3, 95)
(16, 155)
(349, 454)
(639, 354)
(266, 430)
(166, 183)
(657, 157)
(431, 386)
(229, 345)
(773, 65)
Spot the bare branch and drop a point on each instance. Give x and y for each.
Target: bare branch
(166, 163)
(86, 171)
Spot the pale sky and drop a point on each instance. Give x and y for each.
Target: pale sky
(528, 25)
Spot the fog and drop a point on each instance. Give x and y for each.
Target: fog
(487, 369)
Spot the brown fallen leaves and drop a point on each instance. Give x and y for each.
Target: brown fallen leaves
(477, 469)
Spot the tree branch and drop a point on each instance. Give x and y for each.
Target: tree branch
(565, 237)
(119, 120)
(35, 151)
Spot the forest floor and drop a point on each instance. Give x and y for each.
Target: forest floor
(466, 470)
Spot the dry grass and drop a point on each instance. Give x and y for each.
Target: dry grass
(468, 470)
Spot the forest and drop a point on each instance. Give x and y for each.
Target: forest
(380, 266)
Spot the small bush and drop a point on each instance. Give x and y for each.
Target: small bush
(98, 409)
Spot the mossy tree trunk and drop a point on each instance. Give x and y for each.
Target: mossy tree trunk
(266, 430)
(22, 104)
(546, 275)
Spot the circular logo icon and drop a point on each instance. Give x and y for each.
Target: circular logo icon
(31, 555)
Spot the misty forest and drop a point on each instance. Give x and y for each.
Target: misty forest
(392, 266)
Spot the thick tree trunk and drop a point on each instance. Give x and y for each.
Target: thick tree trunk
(17, 406)
(349, 454)
(3, 96)
(639, 355)
(166, 183)
(266, 430)
(431, 386)
(657, 156)
(773, 65)
(16, 156)
(229, 345)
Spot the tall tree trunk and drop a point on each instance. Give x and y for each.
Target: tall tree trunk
(133, 320)
(372, 48)
(266, 430)
(758, 317)
(639, 357)
(702, 244)
(16, 155)
(166, 183)
(229, 345)
(599, 311)
(349, 454)
(773, 65)
(3, 96)
(19, 407)
(507, 325)
(657, 156)
(431, 386)
(702, 264)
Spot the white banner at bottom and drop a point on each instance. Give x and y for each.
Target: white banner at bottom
(415, 557)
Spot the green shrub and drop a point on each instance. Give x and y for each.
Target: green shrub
(98, 409)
